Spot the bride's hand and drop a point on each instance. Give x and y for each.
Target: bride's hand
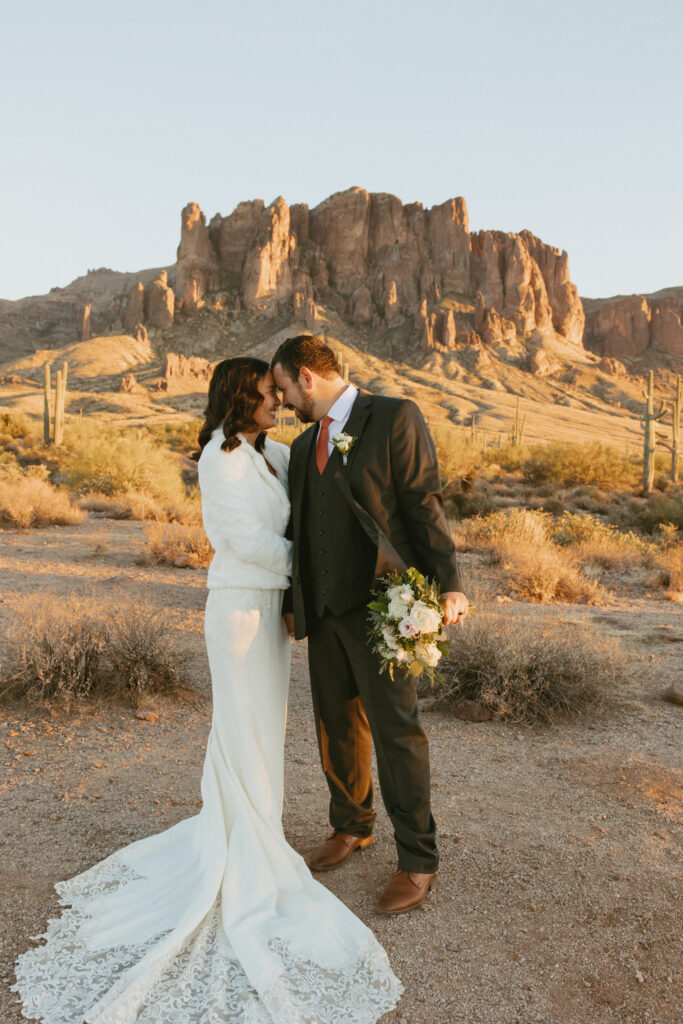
(289, 622)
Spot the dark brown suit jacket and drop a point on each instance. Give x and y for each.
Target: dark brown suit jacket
(392, 483)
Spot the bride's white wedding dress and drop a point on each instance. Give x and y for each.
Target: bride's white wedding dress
(218, 920)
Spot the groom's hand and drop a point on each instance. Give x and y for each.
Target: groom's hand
(289, 622)
(455, 606)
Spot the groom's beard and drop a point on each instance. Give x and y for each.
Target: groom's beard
(304, 410)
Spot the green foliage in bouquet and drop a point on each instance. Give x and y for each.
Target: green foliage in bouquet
(406, 624)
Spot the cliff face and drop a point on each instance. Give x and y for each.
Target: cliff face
(636, 325)
(416, 279)
(379, 262)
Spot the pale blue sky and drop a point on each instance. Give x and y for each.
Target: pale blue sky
(565, 119)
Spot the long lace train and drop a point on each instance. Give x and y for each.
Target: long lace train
(216, 920)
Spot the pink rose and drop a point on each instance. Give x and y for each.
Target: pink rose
(407, 628)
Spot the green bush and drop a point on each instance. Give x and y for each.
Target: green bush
(101, 458)
(14, 425)
(574, 528)
(179, 437)
(457, 454)
(566, 465)
(647, 514)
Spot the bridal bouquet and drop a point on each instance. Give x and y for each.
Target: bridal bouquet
(406, 623)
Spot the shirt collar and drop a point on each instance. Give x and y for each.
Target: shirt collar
(342, 407)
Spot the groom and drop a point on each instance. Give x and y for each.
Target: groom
(352, 520)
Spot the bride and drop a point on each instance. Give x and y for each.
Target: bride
(218, 920)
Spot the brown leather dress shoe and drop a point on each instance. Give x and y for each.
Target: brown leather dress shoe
(405, 891)
(336, 849)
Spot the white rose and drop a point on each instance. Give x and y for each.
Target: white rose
(400, 655)
(428, 653)
(397, 608)
(424, 618)
(389, 638)
(401, 593)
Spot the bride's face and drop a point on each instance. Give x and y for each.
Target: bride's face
(265, 416)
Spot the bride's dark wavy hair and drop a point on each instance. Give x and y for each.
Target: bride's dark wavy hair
(234, 397)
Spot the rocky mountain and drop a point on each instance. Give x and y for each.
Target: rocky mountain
(366, 257)
(379, 264)
(645, 328)
(396, 280)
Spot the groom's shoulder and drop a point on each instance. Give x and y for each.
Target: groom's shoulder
(391, 408)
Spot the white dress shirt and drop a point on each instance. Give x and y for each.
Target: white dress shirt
(340, 412)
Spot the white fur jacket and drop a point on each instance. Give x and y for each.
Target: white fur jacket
(245, 511)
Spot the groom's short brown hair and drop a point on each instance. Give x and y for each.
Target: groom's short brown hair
(308, 350)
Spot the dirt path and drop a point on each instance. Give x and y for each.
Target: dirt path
(559, 898)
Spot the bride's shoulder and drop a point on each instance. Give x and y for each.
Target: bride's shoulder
(215, 459)
(278, 450)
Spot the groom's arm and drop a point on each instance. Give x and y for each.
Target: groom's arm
(288, 598)
(415, 473)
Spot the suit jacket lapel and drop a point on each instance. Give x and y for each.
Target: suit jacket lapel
(301, 457)
(360, 410)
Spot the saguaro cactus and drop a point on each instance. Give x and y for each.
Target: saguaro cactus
(675, 430)
(516, 435)
(47, 431)
(54, 433)
(649, 421)
(60, 399)
(673, 445)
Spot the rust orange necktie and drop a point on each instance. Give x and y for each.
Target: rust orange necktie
(321, 455)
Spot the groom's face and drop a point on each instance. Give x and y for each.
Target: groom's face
(295, 394)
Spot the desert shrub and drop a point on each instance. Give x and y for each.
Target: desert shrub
(517, 525)
(54, 647)
(600, 543)
(12, 469)
(647, 514)
(520, 541)
(100, 458)
(177, 545)
(565, 465)
(179, 437)
(130, 505)
(545, 574)
(458, 456)
(463, 504)
(535, 672)
(14, 425)
(140, 507)
(510, 457)
(63, 650)
(668, 560)
(142, 651)
(26, 499)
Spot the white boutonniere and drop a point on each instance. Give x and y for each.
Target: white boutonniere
(343, 443)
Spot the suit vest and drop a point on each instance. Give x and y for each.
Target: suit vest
(341, 557)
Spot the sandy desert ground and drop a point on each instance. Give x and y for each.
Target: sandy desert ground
(559, 898)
